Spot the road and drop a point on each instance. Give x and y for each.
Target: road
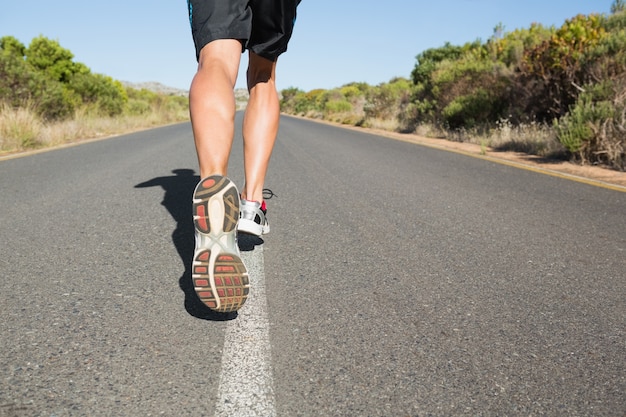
(398, 280)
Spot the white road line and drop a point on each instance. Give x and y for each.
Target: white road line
(246, 385)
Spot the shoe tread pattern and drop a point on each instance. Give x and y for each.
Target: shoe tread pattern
(222, 283)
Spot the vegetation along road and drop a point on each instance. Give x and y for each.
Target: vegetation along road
(398, 280)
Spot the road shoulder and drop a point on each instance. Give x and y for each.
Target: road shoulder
(594, 175)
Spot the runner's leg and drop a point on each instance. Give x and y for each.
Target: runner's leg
(260, 125)
(212, 104)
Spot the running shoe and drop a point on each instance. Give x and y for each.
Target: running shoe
(252, 218)
(219, 276)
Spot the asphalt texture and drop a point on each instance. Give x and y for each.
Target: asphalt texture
(397, 280)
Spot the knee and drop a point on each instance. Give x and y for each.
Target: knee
(220, 58)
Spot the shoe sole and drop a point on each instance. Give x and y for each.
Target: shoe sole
(219, 276)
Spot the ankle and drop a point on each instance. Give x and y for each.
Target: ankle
(258, 197)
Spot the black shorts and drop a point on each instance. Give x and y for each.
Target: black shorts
(263, 26)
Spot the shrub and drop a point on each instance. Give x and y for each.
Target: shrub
(554, 71)
(337, 106)
(593, 130)
(101, 93)
(477, 107)
(56, 102)
(288, 97)
(428, 60)
(509, 49)
(385, 100)
(21, 85)
(470, 92)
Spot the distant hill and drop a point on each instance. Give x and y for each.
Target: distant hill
(156, 87)
(241, 94)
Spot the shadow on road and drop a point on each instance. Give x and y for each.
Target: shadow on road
(177, 200)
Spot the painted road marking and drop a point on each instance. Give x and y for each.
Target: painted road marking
(246, 384)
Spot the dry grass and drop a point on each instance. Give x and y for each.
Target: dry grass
(391, 125)
(21, 129)
(430, 131)
(531, 138)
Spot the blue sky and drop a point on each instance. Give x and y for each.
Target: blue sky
(335, 41)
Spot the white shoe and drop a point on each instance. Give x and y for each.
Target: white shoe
(252, 218)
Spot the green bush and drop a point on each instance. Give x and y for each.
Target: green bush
(21, 86)
(579, 129)
(470, 92)
(551, 74)
(571, 77)
(386, 100)
(428, 60)
(101, 93)
(509, 48)
(56, 102)
(337, 106)
(136, 107)
(45, 76)
(299, 102)
(176, 104)
(470, 110)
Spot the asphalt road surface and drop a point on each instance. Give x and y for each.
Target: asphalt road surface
(398, 280)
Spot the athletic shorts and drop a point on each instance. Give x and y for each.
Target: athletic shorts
(263, 26)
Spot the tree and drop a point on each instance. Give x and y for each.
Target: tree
(10, 46)
(55, 61)
(618, 6)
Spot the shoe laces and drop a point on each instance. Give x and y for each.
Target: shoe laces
(268, 194)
